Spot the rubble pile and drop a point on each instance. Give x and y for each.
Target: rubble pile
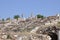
(29, 29)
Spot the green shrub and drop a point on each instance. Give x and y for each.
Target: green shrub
(40, 16)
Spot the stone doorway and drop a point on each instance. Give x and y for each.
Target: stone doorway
(53, 36)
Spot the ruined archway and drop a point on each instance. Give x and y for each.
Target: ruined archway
(53, 36)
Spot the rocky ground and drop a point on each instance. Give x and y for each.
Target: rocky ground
(29, 29)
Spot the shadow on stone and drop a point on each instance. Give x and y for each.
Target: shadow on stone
(54, 36)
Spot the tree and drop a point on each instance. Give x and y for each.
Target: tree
(3, 19)
(40, 16)
(16, 17)
(3, 22)
(8, 18)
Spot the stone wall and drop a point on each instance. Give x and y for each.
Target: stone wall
(34, 37)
